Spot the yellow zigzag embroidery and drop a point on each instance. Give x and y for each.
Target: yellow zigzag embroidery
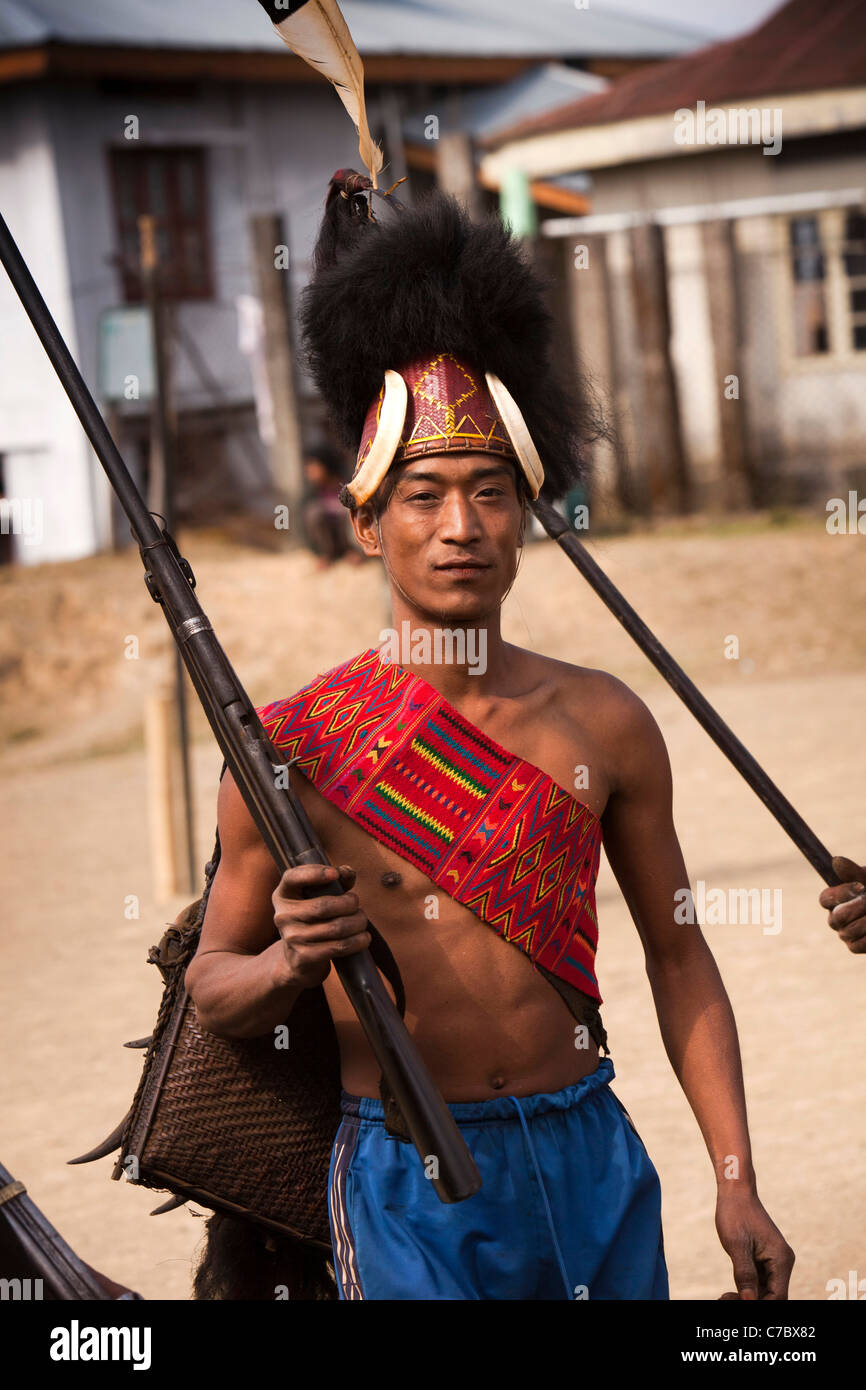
(449, 771)
(415, 811)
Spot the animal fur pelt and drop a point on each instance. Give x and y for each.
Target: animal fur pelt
(428, 279)
(241, 1261)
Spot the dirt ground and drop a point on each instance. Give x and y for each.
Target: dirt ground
(75, 983)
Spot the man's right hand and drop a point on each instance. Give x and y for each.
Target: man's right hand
(262, 942)
(316, 931)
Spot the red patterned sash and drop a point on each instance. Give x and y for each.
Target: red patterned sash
(490, 829)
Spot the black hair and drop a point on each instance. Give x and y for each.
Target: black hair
(427, 279)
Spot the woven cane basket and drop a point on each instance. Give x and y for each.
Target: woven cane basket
(239, 1125)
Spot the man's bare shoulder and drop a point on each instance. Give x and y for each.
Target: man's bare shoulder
(600, 701)
(582, 687)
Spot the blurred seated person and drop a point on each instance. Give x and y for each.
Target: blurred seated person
(325, 518)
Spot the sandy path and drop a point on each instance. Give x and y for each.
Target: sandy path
(75, 984)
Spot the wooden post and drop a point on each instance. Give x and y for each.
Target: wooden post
(120, 538)
(391, 108)
(626, 375)
(270, 253)
(663, 454)
(162, 500)
(455, 170)
(720, 270)
(738, 264)
(590, 306)
(160, 492)
(169, 868)
(627, 490)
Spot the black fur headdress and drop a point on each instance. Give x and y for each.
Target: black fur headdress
(428, 279)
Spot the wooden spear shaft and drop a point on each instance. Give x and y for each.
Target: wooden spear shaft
(776, 802)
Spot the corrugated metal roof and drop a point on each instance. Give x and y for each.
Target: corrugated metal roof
(469, 28)
(800, 48)
(20, 26)
(486, 110)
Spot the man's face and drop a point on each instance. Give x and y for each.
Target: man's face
(450, 533)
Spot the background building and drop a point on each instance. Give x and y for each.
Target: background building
(719, 301)
(197, 115)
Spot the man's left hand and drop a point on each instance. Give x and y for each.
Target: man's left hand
(847, 904)
(761, 1256)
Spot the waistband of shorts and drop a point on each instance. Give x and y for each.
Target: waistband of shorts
(498, 1107)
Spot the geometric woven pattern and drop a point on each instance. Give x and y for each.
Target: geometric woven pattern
(491, 830)
(449, 407)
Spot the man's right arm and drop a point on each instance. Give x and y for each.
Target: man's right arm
(262, 943)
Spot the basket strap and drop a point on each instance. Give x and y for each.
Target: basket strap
(381, 953)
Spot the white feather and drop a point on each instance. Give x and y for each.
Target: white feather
(319, 34)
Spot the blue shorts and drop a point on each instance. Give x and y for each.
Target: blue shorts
(570, 1204)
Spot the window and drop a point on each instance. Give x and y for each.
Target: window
(854, 259)
(809, 295)
(169, 184)
(826, 252)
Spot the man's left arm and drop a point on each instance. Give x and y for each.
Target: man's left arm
(694, 1012)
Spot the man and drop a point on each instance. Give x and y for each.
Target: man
(445, 790)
